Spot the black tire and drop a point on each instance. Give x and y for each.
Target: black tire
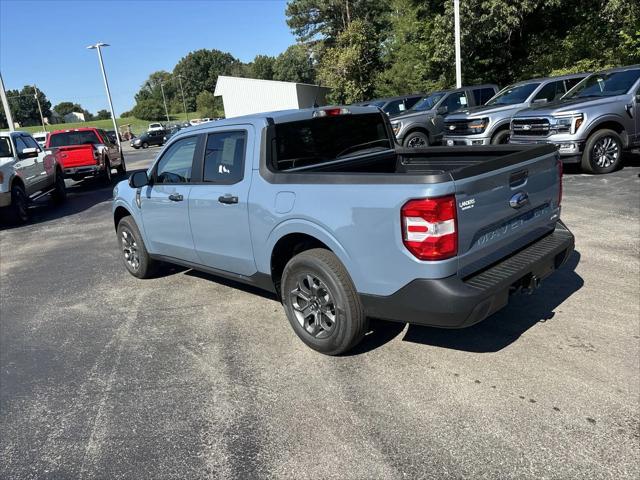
(599, 149)
(18, 211)
(106, 175)
(332, 295)
(501, 137)
(145, 145)
(122, 168)
(417, 140)
(59, 194)
(145, 266)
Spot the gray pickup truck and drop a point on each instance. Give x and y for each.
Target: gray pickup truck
(489, 124)
(422, 125)
(343, 227)
(592, 124)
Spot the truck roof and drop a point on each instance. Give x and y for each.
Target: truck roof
(556, 77)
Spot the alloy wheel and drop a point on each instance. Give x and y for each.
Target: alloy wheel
(314, 306)
(130, 249)
(416, 142)
(606, 152)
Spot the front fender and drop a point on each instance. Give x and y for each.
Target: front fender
(596, 123)
(125, 198)
(298, 225)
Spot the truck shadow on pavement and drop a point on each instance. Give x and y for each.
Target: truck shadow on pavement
(494, 333)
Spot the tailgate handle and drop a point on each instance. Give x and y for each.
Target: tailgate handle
(517, 179)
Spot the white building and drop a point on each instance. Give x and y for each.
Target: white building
(244, 96)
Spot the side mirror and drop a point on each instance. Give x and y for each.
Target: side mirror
(28, 152)
(138, 180)
(638, 97)
(442, 110)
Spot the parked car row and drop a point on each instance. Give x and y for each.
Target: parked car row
(591, 118)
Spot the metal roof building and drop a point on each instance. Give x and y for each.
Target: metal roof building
(244, 96)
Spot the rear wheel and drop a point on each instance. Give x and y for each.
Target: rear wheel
(19, 209)
(501, 137)
(107, 172)
(602, 152)
(134, 253)
(321, 302)
(122, 169)
(60, 189)
(416, 140)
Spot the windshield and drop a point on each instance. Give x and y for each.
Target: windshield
(605, 84)
(73, 138)
(513, 94)
(428, 102)
(323, 139)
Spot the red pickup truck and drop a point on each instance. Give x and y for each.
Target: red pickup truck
(86, 152)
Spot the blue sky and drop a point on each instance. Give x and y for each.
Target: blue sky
(43, 42)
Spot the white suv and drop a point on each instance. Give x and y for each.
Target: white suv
(26, 174)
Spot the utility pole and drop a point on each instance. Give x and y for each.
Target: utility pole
(456, 18)
(39, 107)
(184, 103)
(164, 99)
(97, 46)
(5, 104)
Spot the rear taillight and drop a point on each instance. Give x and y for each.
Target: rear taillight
(429, 229)
(560, 173)
(96, 154)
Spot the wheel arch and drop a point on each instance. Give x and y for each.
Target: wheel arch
(119, 213)
(499, 127)
(417, 128)
(609, 123)
(294, 237)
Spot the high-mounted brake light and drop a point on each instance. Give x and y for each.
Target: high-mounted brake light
(331, 112)
(429, 229)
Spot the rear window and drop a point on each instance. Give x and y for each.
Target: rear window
(323, 139)
(73, 138)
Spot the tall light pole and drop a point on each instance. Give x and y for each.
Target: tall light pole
(164, 99)
(39, 107)
(97, 47)
(456, 19)
(184, 102)
(5, 104)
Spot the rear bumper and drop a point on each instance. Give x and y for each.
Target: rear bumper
(83, 171)
(454, 302)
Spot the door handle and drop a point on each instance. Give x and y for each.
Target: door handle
(176, 197)
(228, 198)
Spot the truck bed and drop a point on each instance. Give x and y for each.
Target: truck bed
(438, 163)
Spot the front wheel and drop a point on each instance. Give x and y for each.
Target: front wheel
(416, 140)
(145, 145)
(321, 302)
(501, 138)
(602, 152)
(134, 253)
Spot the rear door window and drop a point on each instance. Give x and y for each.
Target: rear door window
(63, 139)
(224, 157)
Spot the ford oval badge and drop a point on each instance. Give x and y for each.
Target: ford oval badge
(518, 200)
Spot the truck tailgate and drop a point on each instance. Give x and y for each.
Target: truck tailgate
(501, 211)
(75, 155)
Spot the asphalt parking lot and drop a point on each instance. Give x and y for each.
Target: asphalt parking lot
(189, 376)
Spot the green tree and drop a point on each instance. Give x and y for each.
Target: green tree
(103, 115)
(200, 70)
(350, 66)
(149, 109)
(24, 107)
(262, 67)
(209, 105)
(64, 108)
(326, 19)
(294, 65)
